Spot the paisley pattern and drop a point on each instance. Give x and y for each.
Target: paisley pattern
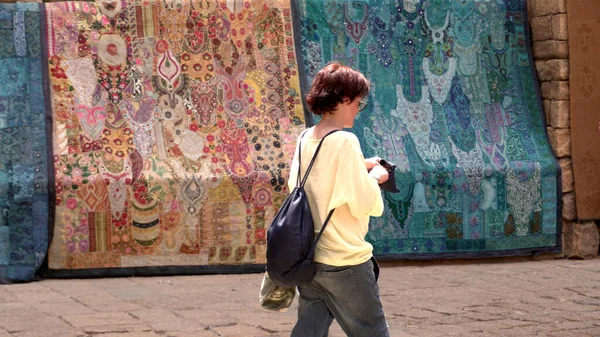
(174, 127)
(24, 197)
(454, 106)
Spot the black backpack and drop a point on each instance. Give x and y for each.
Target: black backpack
(291, 237)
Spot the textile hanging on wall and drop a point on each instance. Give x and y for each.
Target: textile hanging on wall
(24, 198)
(584, 80)
(455, 104)
(174, 126)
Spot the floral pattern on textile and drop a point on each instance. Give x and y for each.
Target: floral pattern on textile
(174, 125)
(24, 196)
(454, 105)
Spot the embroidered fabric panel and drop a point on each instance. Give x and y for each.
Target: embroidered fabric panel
(174, 126)
(23, 147)
(455, 104)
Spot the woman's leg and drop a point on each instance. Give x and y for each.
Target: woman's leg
(314, 318)
(352, 296)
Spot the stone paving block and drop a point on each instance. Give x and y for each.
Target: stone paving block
(399, 319)
(529, 330)
(24, 287)
(277, 328)
(586, 317)
(421, 314)
(68, 307)
(23, 323)
(101, 319)
(562, 295)
(206, 318)
(575, 306)
(166, 286)
(40, 295)
(197, 333)
(5, 295)
(116, 329)
(483, 317)
(107, 303)
(77, 287)
(112, 282)
(522, 306)
(494, 325)
(273, 321)
(164, 302)
(446, 330)
(585, 291)
(19, 317)
(201, 304)
(498, 298)
(450, 319)
(48, 332)
(536, 318)
(532, 300)
(421, 332)
(165, 320)
(240, 330)
(133, 292)
(588, 332)
(12, 308)
(132, 334)
(447, 309)
(399, 333)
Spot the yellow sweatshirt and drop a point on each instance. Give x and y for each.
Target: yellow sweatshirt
(339, 180)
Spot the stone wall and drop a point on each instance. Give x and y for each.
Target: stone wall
(548, 21)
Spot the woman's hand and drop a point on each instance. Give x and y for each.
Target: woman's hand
(371, 162)
(380, 173)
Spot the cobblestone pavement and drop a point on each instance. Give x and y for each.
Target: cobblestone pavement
(501, 297)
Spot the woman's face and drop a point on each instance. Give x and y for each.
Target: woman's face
(349, 109)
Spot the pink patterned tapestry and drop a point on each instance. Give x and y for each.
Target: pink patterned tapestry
(174, 125)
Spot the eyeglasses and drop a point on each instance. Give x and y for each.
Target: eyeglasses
(362, 103)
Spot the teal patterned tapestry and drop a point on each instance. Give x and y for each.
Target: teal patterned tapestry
(23, 149)
(455, 104)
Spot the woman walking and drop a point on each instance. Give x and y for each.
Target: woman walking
(345, 286)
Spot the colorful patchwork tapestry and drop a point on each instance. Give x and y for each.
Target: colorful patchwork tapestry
(584, 80)
(174, 126)
(456, 105)
(24, 197)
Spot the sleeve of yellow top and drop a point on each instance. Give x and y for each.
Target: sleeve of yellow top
(353, 185)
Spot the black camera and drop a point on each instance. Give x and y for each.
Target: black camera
(390, 184)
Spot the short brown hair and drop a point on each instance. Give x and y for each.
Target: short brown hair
(332, 85)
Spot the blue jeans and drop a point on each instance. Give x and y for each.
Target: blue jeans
(349, 294)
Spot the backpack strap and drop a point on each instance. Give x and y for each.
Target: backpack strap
(312, 161)
(312, 248)
(300, 157)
